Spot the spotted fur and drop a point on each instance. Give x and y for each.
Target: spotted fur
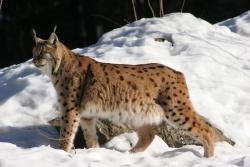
(137, 95)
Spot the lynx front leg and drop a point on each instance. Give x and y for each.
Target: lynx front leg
(69, 125)
(146, 136)
(88, 126)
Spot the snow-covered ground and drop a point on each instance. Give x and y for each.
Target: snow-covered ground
(215, 60)
(239, 24)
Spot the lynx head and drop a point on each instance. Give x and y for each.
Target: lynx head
(46, 53)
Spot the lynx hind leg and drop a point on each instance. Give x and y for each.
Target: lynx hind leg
(146, 136)
(88, 126)
(207, 138)
(197, 128)
(179, 112)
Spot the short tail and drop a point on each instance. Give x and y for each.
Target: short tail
(218, 134)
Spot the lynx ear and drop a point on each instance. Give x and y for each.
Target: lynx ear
(53, 39)
(36, 39)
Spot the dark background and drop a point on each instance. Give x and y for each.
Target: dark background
(81, 22)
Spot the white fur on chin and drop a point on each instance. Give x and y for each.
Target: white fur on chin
(47, 70)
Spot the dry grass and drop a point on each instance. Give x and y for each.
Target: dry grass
(1, 2)
(182, 6)
(151, 8)
(161, 8)
(135, 14)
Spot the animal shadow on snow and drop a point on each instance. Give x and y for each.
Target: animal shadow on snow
(11, 85)
(35, 136)
(178, 151)
(30, 136)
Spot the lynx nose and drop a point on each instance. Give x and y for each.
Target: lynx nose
(34, 61)
(38, 62)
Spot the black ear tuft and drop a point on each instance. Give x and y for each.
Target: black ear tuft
(34, 35)
(35, 38)
(54, 30)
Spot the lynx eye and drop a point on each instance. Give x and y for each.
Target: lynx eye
(49, 45)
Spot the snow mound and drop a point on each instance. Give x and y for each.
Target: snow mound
(27, 97)
(215, 61)
(239, 24)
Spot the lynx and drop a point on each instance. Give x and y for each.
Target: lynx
(137, 95)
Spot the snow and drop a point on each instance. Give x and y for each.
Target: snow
(239, 24)
(215, 61)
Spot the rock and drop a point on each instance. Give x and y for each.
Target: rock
(173, 137)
